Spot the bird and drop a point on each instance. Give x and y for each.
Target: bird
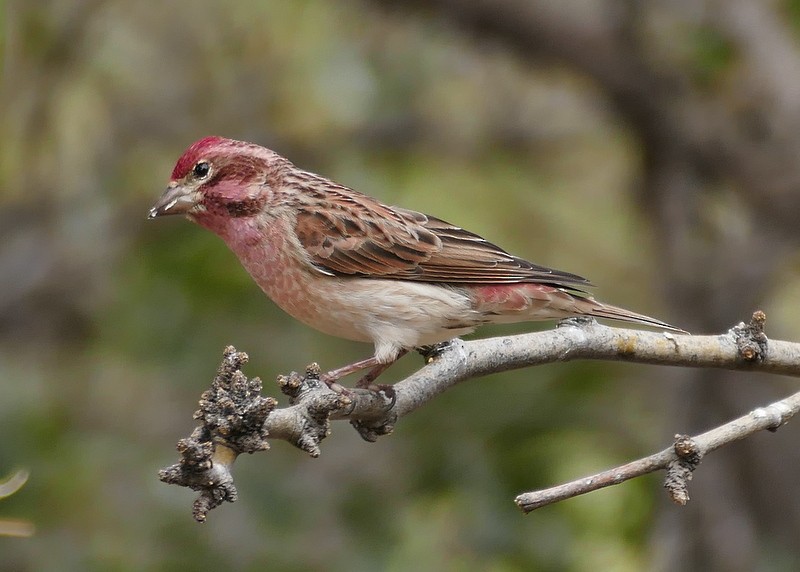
(353, 267)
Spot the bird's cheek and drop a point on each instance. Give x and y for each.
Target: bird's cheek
(197, 211)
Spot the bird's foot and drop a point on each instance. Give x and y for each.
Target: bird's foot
(576, 321)
(331, 378)
(334, 385)
(363, 383)
(433, 351)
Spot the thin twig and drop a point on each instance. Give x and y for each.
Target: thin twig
(770, 417)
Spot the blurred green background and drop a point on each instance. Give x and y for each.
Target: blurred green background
(651, 146)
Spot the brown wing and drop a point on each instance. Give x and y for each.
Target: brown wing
(347, 233)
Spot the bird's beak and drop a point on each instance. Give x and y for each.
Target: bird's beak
(177, 199)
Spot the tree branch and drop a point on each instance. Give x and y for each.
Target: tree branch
(680, 460)
(237, 419)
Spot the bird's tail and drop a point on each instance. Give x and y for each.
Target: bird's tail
(509, 303)
(591, 307)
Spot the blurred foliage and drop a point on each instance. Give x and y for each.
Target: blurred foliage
(111, 326)
(9, 526)
(712, 55)
(791, 9)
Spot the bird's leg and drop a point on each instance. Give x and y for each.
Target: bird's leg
(366, 382)
(335, 375)
(332, 377)
(367, 379)
(372, 375)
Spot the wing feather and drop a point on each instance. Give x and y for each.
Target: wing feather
(350, 234)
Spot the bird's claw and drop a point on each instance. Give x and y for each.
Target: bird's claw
(433, 351)
(386, 388)
(335, 386)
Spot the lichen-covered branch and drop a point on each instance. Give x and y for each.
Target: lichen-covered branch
(237, 419)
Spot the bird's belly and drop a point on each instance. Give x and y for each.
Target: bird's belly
(392, 314)
(399, 313)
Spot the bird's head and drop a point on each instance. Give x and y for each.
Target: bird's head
(218, 179)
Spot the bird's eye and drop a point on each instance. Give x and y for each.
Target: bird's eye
(201, 170)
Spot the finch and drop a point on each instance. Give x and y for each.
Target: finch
(350, 266)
